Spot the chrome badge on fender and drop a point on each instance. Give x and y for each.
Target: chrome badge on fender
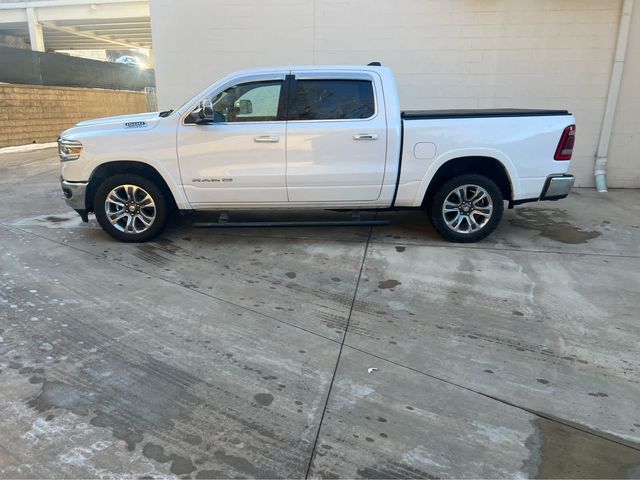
(211, 180)
(135, 124)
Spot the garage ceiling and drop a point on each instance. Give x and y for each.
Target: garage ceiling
(81, 25)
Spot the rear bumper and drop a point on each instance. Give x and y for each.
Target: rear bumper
(557, 187)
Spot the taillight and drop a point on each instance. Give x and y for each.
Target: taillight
(565, 147)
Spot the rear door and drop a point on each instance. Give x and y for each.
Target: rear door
(336, 137)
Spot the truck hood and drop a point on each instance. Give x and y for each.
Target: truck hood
(138, 122)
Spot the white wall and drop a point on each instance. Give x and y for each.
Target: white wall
(446, 53)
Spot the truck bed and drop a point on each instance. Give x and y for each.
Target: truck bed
(489, 113)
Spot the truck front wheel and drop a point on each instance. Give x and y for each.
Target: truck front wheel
(130, 208)
(467, 208)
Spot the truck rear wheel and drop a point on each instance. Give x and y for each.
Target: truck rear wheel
(467, 208)
(130, 208)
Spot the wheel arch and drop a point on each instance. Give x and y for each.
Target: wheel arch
(118, 167)
(488, 165)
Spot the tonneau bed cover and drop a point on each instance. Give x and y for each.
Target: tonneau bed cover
(491, 113)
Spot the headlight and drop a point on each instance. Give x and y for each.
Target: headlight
(69, 149)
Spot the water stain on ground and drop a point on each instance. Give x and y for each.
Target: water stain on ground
(151, 395)
(551, 225)
(264, 399)
(148, 253)
(394, 470)
(179, 465)
(243, 465)
(210, 474)
(561, 451)
(388, 284)
(61, 395)
(54, 219)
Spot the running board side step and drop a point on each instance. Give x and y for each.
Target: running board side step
(223, 222)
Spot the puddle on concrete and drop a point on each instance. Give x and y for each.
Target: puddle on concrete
(55, 219)
(551, 224)
(391, 470)
(65, 220)
(179, 465)
(560, 451)
(141, 397)
(388, 284)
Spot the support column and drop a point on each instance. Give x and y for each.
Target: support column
(35, 31)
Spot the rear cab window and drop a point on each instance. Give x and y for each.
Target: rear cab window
(331, 99)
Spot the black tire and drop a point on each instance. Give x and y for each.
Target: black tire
(138, 232)
(481, 218)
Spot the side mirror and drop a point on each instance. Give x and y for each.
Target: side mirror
(206, 113)
(243, 107)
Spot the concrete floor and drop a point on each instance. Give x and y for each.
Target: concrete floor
(369, 352)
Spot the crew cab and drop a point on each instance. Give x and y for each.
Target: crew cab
(310, 138)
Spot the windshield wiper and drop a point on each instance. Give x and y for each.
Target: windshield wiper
(166, 113)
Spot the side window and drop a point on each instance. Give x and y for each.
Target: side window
(248, 102)
(331, 100)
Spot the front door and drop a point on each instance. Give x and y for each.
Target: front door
(241, 157)
(336, 138)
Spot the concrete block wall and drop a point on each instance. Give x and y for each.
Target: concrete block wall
(446, 54)
(33, 113)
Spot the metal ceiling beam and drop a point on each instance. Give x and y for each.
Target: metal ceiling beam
(71, 40)
(84, 46)
(106, 23)
(54, 45)
(61, 3)
(91, 35)
(118, 34)
(100, 33)
(17, 28)
(88, 46)
(100, 27)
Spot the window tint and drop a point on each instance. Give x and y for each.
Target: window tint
(331, 99)
(248, 102)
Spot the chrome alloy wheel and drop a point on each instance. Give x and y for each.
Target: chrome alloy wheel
(467, 209)
(130, 209)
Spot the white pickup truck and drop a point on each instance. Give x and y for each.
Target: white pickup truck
(316, 137)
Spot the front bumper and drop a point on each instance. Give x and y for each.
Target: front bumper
(557, 187)
(75, 196)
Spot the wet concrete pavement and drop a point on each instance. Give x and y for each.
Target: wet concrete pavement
(369, 352)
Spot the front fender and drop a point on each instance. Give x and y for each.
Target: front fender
(167, 175)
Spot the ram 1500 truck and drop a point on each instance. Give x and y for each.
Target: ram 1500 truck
(315, 137)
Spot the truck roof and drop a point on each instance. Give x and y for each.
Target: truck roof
(312, 68)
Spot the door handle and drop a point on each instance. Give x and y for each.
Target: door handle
(266, 139)
(366, 136)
